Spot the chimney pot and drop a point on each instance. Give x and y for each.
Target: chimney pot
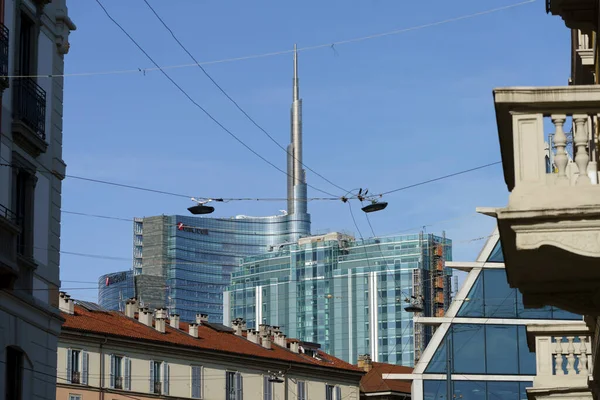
(145, 316)
(201, 318)
(266, 341)
(193, 329)
(365, 362)
(174, 321)
(294, 346)
(66, 304)
(131, 307)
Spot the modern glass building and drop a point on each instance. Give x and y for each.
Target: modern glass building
(196, 256)
(349, 296)
(485, 329)
(114, 289)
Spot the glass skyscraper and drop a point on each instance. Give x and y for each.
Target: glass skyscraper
(114, 289)
(485, 328)
(349, 296)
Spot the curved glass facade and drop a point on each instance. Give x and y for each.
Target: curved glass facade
(114, 289)
(196, 256)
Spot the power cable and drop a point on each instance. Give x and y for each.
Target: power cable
(235, 103)
(187, 95)
(282, 52)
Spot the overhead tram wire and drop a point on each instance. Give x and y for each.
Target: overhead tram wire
(327, 45)
(235, 103)
(194, 102)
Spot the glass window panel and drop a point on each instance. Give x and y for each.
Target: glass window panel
(434, 390)
(496, 255)
(557, 313)
(522, 389)
(499, 298)
(473, 304)
(526, 358)
(532, 313)
(438, 361)
(468, 347)
(501, 349)
(503, 390)
(469, 390)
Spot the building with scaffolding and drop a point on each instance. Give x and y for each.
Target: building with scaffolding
(347, 295)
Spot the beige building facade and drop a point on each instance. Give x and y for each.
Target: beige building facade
(33, 41)
(147, 355)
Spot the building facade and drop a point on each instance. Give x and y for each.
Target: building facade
(485, 334)
(146, 355)
(349, 296)
(185, 263)
(549, 228)
(33, 41)
(115, 289)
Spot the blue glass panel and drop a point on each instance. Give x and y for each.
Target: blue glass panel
(499, 298)
(496, 255)
(439, 360)
(473, 305)
(557, 313)
(468, 349)
(503, 390)
(434, 390)
(522, 389)
(526, 358)
(532, 313)
(469, 390)
(501, 349)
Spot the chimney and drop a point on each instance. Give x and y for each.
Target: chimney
(266, 341)
(275, 330)
(253, 336)
(145, 316)
(160, 319)
(174, 321)
(65, 304)
(244, 328)
(280, 340)
(365, 362)
(201, 318)
(294, 346)
(237, 327)
(194, 329)
(263, 329)
(131, 307)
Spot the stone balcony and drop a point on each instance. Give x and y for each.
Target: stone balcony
(550, 230)
(563, 361)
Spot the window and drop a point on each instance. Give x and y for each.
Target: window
(120, 372)
(24, 181)
(74, 397)
(234, 386)
(197, 384)
(502, 349)
(159, 370)
(77, 366)
(301, 390)
(267, 388)
(333, 392)
(27, 45)
(14, 373)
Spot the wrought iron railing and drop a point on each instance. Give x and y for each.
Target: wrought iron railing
(157, 387)
(3, 50)
(29, 105)
(76, 377)
(8, 214)
(119, 382)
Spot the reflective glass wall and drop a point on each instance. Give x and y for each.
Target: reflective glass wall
(114, 289)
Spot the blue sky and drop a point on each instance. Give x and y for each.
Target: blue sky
(378, 114)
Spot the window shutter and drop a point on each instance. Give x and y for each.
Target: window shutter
(201, 379)
(239, 386)
(166, 378)
(84, 367)
(265, 387)
(127, 377)
(69, 366)
(112, 371)
(338, 393)
(196, 382)
(151, 376)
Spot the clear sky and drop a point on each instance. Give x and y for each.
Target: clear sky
(378, 114)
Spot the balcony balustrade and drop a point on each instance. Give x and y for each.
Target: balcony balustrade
(157, 387)
(563, 361)
(76, 377)
(29, 113)
(9, 232)
(119, 382)
(550, 230)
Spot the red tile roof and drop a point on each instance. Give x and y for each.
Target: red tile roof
(373, 381)
(116, 324)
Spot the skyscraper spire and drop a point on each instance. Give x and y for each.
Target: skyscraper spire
(296, 192)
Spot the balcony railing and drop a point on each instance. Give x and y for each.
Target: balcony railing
(4, 50)
(563, 358)
(157, 387)
(29, 105)
(119, 382)
(7, 214)
(76, 377)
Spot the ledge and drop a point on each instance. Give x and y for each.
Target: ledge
(27, 139)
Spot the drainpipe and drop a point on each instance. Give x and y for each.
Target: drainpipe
(101, 397)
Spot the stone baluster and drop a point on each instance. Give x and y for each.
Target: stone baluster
(583, 369)
(558, 357)
(560, 142)
(570, 356)
(580, 139)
